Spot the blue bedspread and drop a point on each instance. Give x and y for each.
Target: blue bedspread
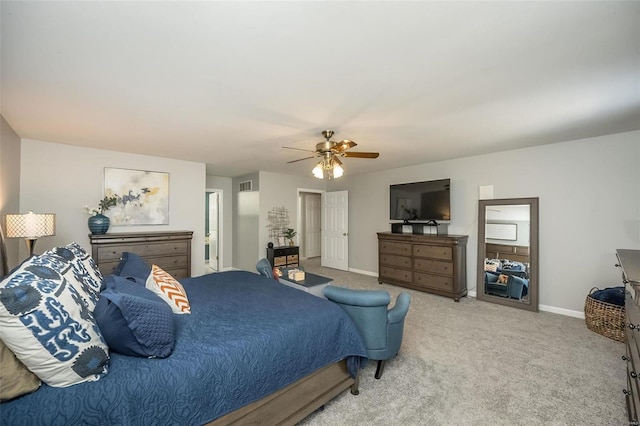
(247, 337)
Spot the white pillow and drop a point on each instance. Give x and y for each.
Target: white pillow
(169, 290)
(47, 325)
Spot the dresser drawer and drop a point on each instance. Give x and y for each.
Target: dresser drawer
(393, 247)
(393, 260)
(435, 252)
(437, 282)
(435, 266)
(166, 263)
(395, 274)
(280, 261)
(143, 250)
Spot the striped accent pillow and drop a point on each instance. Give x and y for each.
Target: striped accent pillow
(169, 290)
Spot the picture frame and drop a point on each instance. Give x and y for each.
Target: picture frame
(281, 241)
(142, 196)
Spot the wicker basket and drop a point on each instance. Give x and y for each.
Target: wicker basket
(604, 318)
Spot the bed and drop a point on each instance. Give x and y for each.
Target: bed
(252, 350)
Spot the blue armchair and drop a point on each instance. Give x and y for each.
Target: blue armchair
(264, 268)
(380, 327)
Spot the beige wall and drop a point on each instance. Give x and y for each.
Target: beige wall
(62, 179)
(9, 184)
(589, 194)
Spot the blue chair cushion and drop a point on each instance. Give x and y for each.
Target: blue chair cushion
(133, 320)
(132, 265)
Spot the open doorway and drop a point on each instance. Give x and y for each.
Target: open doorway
(309, 223)
(213, 207)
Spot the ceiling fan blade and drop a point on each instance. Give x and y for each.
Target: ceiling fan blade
(301, 159)
(361, 154)
(344, 144)
(297, 149)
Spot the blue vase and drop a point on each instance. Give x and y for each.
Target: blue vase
(99, 224)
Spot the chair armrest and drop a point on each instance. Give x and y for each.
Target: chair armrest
(399, 311)
(357, 297)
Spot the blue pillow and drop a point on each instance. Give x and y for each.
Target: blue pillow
(133, 320)
(134, 266)
(490, 277)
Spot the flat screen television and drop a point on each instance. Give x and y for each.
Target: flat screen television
(427, 201)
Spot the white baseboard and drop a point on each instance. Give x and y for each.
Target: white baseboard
(547, 308)
(561, 311)
(359, 271)
(472, 293)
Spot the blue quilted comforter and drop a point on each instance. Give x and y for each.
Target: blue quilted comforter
(247, 337)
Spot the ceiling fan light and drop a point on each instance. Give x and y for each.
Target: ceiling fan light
(337, 171)
(317, 171)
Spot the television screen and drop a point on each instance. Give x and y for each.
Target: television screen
(420, 201)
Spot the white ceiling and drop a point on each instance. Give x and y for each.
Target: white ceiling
(230, 83)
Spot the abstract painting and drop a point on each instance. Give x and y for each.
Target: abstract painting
(143, 196)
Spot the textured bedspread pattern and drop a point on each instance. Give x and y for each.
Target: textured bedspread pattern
(247, 337)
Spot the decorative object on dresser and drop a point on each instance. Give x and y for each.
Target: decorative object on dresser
(430, 263)
(170, 250)
(290, 234)
(283, 257)
(508, 247)
(99, 223)
(31, 226)
(629, 262)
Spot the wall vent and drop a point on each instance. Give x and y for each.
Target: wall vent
(246, 186)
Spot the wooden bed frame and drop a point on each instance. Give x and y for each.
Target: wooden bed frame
(293, 403)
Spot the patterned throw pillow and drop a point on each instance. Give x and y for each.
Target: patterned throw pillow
(169, 290)
(85, 270)
(47, 325)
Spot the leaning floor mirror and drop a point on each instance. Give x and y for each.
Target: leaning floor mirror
(508, 252)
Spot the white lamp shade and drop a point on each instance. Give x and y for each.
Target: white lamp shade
(31, 225)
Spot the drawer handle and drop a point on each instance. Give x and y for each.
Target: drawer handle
(626, 392)
(625, 358)
(633, 374)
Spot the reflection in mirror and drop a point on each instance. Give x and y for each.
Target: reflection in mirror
(508, 252)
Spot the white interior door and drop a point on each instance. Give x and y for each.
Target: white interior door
(312, 217)
(213, 231)
(335, 230)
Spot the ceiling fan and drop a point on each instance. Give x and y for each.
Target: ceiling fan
(331, 151)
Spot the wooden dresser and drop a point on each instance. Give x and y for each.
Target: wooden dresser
(169, 250)
(629, 262)
(431, 263)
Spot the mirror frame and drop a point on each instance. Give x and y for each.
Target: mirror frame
(533, 252)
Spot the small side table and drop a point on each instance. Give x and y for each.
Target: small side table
(312, 283)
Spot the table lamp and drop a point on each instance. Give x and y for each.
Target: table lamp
(31, 226)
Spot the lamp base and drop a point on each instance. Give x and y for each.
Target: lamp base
(31, 244)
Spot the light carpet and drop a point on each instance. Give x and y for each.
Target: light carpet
(478, 363)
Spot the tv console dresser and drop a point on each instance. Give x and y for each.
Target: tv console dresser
(430, 263)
